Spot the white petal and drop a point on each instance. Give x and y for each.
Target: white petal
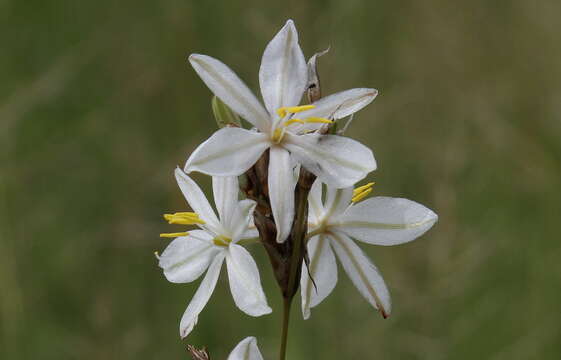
(386, 220)
(196, 199)
(283, 71)
(322, 269)
(251, 232)
(199, 301)
(245, 283)
(338, 200)
(315, 202)
(242, 217)
(228, 152)
(225, 84)
(281, 191)
(341, 104)
(336, 160)
(225, 190)
(187, 257)
(246, 350)
(362, 272)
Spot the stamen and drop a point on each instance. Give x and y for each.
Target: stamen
(283, 111)
(174, 235)
(187, 213)
(221, 240)
(184, 218)
(292, 121)
(318, 120)
(361, 195)
(157, 255)
(362, 188)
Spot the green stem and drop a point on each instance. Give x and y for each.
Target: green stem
(298, 233)
(299, 229)
(285, 320)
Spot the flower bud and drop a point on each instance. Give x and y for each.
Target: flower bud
(223, 115)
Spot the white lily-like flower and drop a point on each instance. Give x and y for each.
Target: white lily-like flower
(246, 350)
(377, 220)
(231, 151)
(190, 254)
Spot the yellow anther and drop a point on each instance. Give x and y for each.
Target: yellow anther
(283, 111)
(183, 215)
(221, 240)
(292, 121)
(174, 235)
(185, 221)
(278, 134)
(157, 255)
(187, 213)
(356, 198)
(184, 218)
(318, 120)
(362, 188)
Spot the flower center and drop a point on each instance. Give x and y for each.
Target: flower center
(278, 134)
(288, 111)
(361, 192)
(222, 240)
(181, 218)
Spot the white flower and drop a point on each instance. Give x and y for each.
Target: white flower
(246, 350)
(189, 255)
(378, 220)
(230, 151)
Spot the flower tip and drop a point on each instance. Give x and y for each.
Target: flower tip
(265, 310)
(290, 26)
(178, 172)
(306, 313)
(259, 309)
(434, 216)
(184, 332)
(383, 312)
(195, 58)
(374, 164)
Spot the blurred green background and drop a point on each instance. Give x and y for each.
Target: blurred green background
(98, 105)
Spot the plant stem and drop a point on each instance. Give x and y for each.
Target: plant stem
(285, 320)
(298, 234)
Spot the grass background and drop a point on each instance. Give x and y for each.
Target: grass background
(98, 105)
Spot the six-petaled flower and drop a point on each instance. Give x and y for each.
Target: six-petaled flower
(342, 216)
(218, 239)
(282, 126)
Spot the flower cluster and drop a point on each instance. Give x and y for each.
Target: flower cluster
(298, 175)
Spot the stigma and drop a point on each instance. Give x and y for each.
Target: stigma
(278, 134)
(222, 240)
